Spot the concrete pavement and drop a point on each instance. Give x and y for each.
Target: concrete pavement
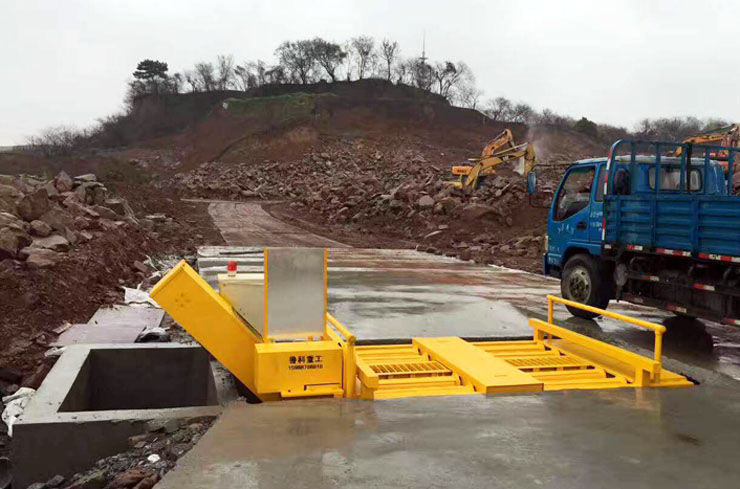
(626, 438)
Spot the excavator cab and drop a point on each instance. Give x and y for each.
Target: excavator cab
(502, 149)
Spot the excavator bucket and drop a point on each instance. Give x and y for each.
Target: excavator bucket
(501, 150)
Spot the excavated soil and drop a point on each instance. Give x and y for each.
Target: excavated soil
(36, 301)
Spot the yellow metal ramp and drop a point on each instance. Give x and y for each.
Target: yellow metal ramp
(394, 371)
(554, 359)
(329, 363)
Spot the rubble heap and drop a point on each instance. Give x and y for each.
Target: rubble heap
(39, 220)
(400, 192)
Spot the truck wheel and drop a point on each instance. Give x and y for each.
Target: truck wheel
(582, 282)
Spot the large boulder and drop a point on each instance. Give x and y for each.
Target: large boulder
(63, 182)
(11, 221)
(99, 195)
(9, 195)
(105, 212)
(40, 257)
(87, 177)
(425, 202)
(81, 210)
(40, 229)
(120, 207)
(53, 242)
(91, 193)
(33, 205)
(51, 190)
(11, 241)
(57, 219)
(474, 212)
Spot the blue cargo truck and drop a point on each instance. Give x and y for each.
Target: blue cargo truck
(654, 223)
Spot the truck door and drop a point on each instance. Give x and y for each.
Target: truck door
(596, 214)
(568, 224)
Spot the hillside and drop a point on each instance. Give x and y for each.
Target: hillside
(357, 164)
(349, 159)
(365, 163)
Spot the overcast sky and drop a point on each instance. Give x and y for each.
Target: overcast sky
(67, 62)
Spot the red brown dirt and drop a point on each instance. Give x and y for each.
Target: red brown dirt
(36, 301)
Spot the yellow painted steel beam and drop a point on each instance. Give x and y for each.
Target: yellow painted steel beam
(210, 319)
(555, 359)
(636, 367)
(486, 373)
(658, 329)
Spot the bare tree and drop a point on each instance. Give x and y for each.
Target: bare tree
(276, 75)
(390, 51)
(364, 48)
(175, 83)
(676, 128)
(448, 75)
(329, 56)
(298, 60)
(205, 76)
(192, 79)
(260, 69)
(523, 113)
(499, 109)
(242, 77)
(225, 77)
(403, 71)
(467, 95)
(57, 141)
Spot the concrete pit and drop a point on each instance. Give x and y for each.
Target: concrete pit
(97, 396)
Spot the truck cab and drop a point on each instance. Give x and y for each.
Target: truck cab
(575, 220)
(649, 188)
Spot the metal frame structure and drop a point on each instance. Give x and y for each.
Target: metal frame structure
(334, 365)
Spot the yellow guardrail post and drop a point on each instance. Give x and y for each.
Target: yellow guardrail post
(658, 329)
(348, 348)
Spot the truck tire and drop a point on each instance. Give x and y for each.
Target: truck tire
(583, 282)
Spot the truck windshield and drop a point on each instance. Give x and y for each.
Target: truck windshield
(575, 192)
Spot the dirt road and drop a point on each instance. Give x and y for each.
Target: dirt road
(247, 224)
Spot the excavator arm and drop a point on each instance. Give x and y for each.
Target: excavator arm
(728, 136)
(521, 155)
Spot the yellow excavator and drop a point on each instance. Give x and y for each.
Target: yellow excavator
(728, 136)
(502, 149)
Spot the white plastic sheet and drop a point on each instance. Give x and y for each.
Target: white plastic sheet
(14, 406)
(137, 296)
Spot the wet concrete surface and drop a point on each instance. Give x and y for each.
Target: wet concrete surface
(399, 294)
(117, 324)
(623, 438)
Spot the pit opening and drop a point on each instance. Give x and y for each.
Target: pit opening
(118, 379)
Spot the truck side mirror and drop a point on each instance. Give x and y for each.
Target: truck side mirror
(532, 182)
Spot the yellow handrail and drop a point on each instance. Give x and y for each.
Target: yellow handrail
(658, 329)
(350, 362)
(349, 337)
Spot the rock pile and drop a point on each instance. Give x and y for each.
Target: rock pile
(41, 219)
(403, 192)
(151, 455)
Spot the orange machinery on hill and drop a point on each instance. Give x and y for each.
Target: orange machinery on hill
(501, 149)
